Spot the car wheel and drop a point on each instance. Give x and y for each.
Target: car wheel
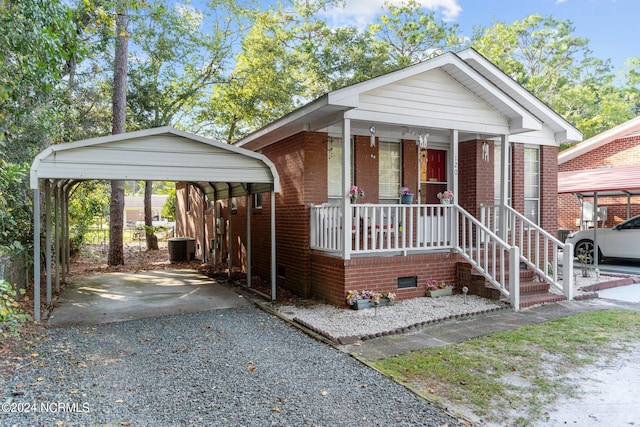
(584, 252)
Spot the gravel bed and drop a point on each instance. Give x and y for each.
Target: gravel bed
(343, 325)
(234, 367)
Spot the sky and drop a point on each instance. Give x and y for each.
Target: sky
(610, 25)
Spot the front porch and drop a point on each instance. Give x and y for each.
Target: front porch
(441, 236)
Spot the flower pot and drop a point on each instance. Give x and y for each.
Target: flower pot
(362, 304)
(407, 199)
(439, 292)
(445, 201)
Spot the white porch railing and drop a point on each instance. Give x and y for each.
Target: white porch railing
(492, 257)
(421, 228)
(383, 228)
(538, 249)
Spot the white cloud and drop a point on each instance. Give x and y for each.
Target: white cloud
(359, 13)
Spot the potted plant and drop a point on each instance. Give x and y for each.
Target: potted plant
(406, 195)
(359, 300)
(445, 197)
(438, 288)
(355, 192)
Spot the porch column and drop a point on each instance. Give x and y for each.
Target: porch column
(504, 185)
(454, 152)
(346, 183)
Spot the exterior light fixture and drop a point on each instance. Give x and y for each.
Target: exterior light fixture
(372, 130)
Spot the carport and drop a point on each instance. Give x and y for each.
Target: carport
(606, 182)
(219, 170)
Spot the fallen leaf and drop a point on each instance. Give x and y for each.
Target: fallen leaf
(281, 399)
(74, 391)
(276, 410)
(323, 392)
(126, 423)
(33, 355)
(40, 379)
(432, 391)
(463, 382)
(119, 401)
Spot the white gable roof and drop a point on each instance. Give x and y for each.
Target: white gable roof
(161, 154)
(452, 91)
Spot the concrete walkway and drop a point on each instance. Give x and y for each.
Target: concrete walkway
(114, 297)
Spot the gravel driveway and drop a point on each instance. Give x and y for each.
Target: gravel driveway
(232, 367)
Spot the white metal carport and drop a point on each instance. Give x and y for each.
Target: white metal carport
(219, 170)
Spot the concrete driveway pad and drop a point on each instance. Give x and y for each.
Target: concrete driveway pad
(114, 297)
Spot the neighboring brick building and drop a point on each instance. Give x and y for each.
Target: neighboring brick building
(617, 149)
(439, 125)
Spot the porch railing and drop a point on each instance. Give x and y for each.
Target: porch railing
(547, 256)
(383, 228)
(491, 256)
(421, 228)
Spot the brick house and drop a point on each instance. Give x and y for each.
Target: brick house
(610, 159)
(454, 122)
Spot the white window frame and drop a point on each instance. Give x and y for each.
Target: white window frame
(393, 197)
(334, 157)
(532, 198)
(497, 173)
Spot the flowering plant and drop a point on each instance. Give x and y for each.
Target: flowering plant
(434, 285)
(404, 191)
(445, 195)
(356, 191)
(353, 296)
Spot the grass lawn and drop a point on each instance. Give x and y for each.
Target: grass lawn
(513, 377)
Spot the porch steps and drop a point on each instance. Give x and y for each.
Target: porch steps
(531, 292)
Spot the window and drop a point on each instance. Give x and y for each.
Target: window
(389, 170)
(334, 169)
(532, 184)
(257, 201)
(188, 197)
(497, 173)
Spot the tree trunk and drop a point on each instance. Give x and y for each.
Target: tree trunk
(152, 239)
(119, 117)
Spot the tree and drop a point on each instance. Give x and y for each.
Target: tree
(411, 35)
(179, 62)
(119, 118)
(543, 55)
(36, 39)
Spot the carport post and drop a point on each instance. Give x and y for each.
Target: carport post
(229, 239)
(56, 220)
(595, 229)
(47, 225)
(36, 253)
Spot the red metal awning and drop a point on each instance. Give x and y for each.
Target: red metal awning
(621, 181)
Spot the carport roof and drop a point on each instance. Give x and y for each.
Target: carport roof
(621, 181)
(160, 154)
